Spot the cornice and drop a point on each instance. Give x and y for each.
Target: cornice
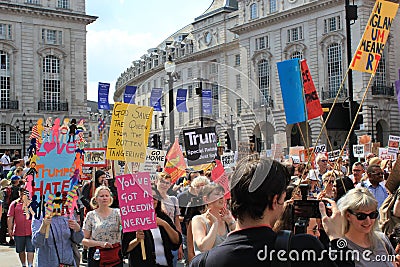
(46, 12)
(284, 15)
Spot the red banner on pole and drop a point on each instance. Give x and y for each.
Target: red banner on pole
(314, 108)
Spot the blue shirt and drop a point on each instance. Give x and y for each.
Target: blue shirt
(45, 249)
(380, 193)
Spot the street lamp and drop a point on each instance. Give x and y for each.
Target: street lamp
(372, 107)
(172, 75)
(23, 131)
(231, 131)
(162, 117)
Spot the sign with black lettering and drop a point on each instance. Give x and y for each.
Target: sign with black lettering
(228, 159)
(200, 145)
(320, 149)
(358, 151)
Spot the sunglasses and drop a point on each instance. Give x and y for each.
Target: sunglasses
(362, 216)
(377, 173)
(324, 160)
(329, 181)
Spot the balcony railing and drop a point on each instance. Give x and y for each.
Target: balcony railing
(53, 106)
(332, 94)
(8, 104)
(381, 90)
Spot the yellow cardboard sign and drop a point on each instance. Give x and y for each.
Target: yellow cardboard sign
(129, 132)
(373, 42)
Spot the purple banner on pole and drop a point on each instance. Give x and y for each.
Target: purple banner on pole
(155, 98)
(103, 90)
(181, 100)
(207, 101)
(397, 83)
(129, 95)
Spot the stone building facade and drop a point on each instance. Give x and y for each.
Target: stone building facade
(43, 63)
(233, 48)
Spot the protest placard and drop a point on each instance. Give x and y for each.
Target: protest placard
(154, 161)
(129, 132)
(333, 155)
(95, 157)
(358, 151)
(136, 202)
(280, 138)
(200, 145)
(228, 159)
(320, 149)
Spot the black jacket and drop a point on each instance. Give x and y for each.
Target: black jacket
(135, 256)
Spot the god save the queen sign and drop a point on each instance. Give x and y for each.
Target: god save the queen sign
(200, 145)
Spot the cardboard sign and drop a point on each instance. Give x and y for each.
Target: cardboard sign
(383, 153)
(393, 145)
(372, 44)
(307, 155)
(333, 155)
(95, 157)
(129, 132)
(228, 159)
(154, 158)
(200, 145)
(320, 149)
(136, 202)
(358, 151)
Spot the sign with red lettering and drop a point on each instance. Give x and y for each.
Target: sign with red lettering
(314, 108)
(136, 202)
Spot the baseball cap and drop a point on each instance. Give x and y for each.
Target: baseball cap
(15, 177)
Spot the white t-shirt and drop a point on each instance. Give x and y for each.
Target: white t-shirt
(159, 247)
(6, 160)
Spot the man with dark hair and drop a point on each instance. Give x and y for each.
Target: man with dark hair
(375, 183)
(258, 190)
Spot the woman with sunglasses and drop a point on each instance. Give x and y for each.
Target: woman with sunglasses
(359, 208)
(328, 180)
(159, 242)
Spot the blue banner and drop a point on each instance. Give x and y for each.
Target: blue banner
(207, 101)
(129, 95)
(155, 98)
(103, 90)
(292, 90)
(181, 100)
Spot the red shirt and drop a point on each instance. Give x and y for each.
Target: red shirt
(22, 226)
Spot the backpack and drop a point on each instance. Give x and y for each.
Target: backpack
(387, 221)
(6, 197)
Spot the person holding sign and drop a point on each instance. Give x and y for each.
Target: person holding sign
(159, 242)
(56, 250)
(102, 230)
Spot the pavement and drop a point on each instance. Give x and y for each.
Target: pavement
(9, 258)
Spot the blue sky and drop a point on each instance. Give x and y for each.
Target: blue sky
(125, 30)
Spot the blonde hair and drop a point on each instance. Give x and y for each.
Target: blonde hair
(200, 180)
(93, 202)
(334, 174)
(356, 199)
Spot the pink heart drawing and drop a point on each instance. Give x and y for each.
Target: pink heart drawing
(49, 146)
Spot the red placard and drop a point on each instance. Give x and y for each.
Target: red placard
(314, 108)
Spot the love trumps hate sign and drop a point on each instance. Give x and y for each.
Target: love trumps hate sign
(129, 132)
(136, 202)
(371, 46)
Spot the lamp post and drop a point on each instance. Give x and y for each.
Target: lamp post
(199, 92)
(170, 69)
(372, 107)
(23, 131)
(162, 117)
(231, 132)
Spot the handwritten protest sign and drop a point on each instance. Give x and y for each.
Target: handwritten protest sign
(320, 149)
(333, 155)
(154, 158)
(136, 202)
(372, 44)
(358, 151)
(228, 159)
(393, 145)
(129, 132)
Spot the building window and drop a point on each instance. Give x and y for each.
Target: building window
(155, 84)
(190, 91)
(332, 24)
(238, 106)
(380, 74)
(237, 60)
(51, 37)
(262, 42)
(215, 97)
(297, 54)
(295, 34)
(155, 122)
(191, 115)
(14, 137)
(213, 68)
(334, 68)
(190, 73)
(63, 4)
(4, 80)
(272, 6)
(51, 83)
(32, 2)
(163, 100)
(181, 118)
(238, 81)
(5, 32)
(253, 11)
(263, 79)
(3, 134)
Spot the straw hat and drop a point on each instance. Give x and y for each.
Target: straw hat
(4, 183)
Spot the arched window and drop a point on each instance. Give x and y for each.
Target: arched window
(297, 54)
(263, 80)
(51, 83)
(253, 11)
(4, 80)
(334, 68)
(380, 75)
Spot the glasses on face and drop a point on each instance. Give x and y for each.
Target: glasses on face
(324, 160)
(329, 181)
(165, 182)
(356, 170)
(377, 173)
(362, 216)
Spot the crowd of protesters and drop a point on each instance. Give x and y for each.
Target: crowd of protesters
(199, 225)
